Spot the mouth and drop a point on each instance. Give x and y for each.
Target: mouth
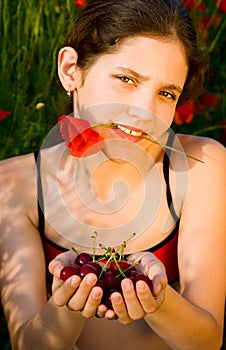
(129, 131)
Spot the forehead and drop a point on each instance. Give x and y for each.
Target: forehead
(148, 56)
(148, 44)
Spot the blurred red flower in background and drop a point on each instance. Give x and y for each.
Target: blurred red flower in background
(80, 3)
(184, 114)
(211, 21)
(221, 6)
(192, 4)
(207, 100)
(3, 114)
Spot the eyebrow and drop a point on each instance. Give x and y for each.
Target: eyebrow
(146, 78)
(133, 73)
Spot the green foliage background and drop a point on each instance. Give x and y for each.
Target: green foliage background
(31, 32)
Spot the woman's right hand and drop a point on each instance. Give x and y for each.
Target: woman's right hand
(78, 295)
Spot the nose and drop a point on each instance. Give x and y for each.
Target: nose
(140, 113)
(142, 106)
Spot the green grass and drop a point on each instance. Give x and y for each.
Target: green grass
(31, 33)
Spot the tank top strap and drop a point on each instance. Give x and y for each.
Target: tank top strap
(166, 166)
(40, 203)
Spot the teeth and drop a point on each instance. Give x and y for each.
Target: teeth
(129, 132)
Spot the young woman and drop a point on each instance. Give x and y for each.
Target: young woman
(128, 65)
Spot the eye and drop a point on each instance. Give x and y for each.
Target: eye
(168, 95)
(127, 80)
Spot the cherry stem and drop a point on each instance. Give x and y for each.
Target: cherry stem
(123, 245)
(119, 267)
(74, 250)
(104, 267)
(128, 268)
(94, 244)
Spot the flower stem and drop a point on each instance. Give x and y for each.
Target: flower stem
(150, 139)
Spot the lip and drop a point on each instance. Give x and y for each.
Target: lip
(129, 133)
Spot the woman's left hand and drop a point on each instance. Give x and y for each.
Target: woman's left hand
(136, 302)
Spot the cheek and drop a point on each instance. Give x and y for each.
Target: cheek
(95, 94)
(167, 114)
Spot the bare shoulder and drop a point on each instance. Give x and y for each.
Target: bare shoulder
(17, 170)
(17, 178)
(205, 149)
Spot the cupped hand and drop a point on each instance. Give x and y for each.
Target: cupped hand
(136, 302)
(78, 295)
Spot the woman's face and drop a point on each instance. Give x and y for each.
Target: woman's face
(138, 83)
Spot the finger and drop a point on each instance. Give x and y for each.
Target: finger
(56, 265)
(62, 295)
(57, 283)
(159, 283)
(134, 308)
(119, 308)
(101, 311)
(147, 300)
(110, 315)
(92, 303)
(77, 302)
(149, 264)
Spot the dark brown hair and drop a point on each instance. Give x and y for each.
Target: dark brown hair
(104, 24)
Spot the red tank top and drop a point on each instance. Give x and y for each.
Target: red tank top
(165, 251)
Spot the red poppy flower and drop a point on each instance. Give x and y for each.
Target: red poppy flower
(80, 3)
(184, 114)
(222, 5)
(80, 138)
(191, 4)
(214, 23)
(207, 100)
(3, 114)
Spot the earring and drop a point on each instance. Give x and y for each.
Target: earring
(69, 92)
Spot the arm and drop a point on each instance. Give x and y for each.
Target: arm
(193, 318)
(33, 321)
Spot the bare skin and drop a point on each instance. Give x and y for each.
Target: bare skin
(68, 317)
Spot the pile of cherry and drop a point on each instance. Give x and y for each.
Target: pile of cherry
(110, 271)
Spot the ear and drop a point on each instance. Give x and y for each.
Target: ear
(68, 71)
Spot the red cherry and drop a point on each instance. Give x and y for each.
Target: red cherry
(100, 283)
(107, 298)
(132, 274)
(69, 271)
(141, 277)
(124, 265)
(96, 266)
(83, 258)
(103, 261)
(108, 304)
(87, 268)
(110, 280)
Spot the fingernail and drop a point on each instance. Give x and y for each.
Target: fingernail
(96, 293)
(140, 286)
(158, 287)
(127, 285)
(73, 281)
(57, 270)
(116, 298)
(90, 279)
